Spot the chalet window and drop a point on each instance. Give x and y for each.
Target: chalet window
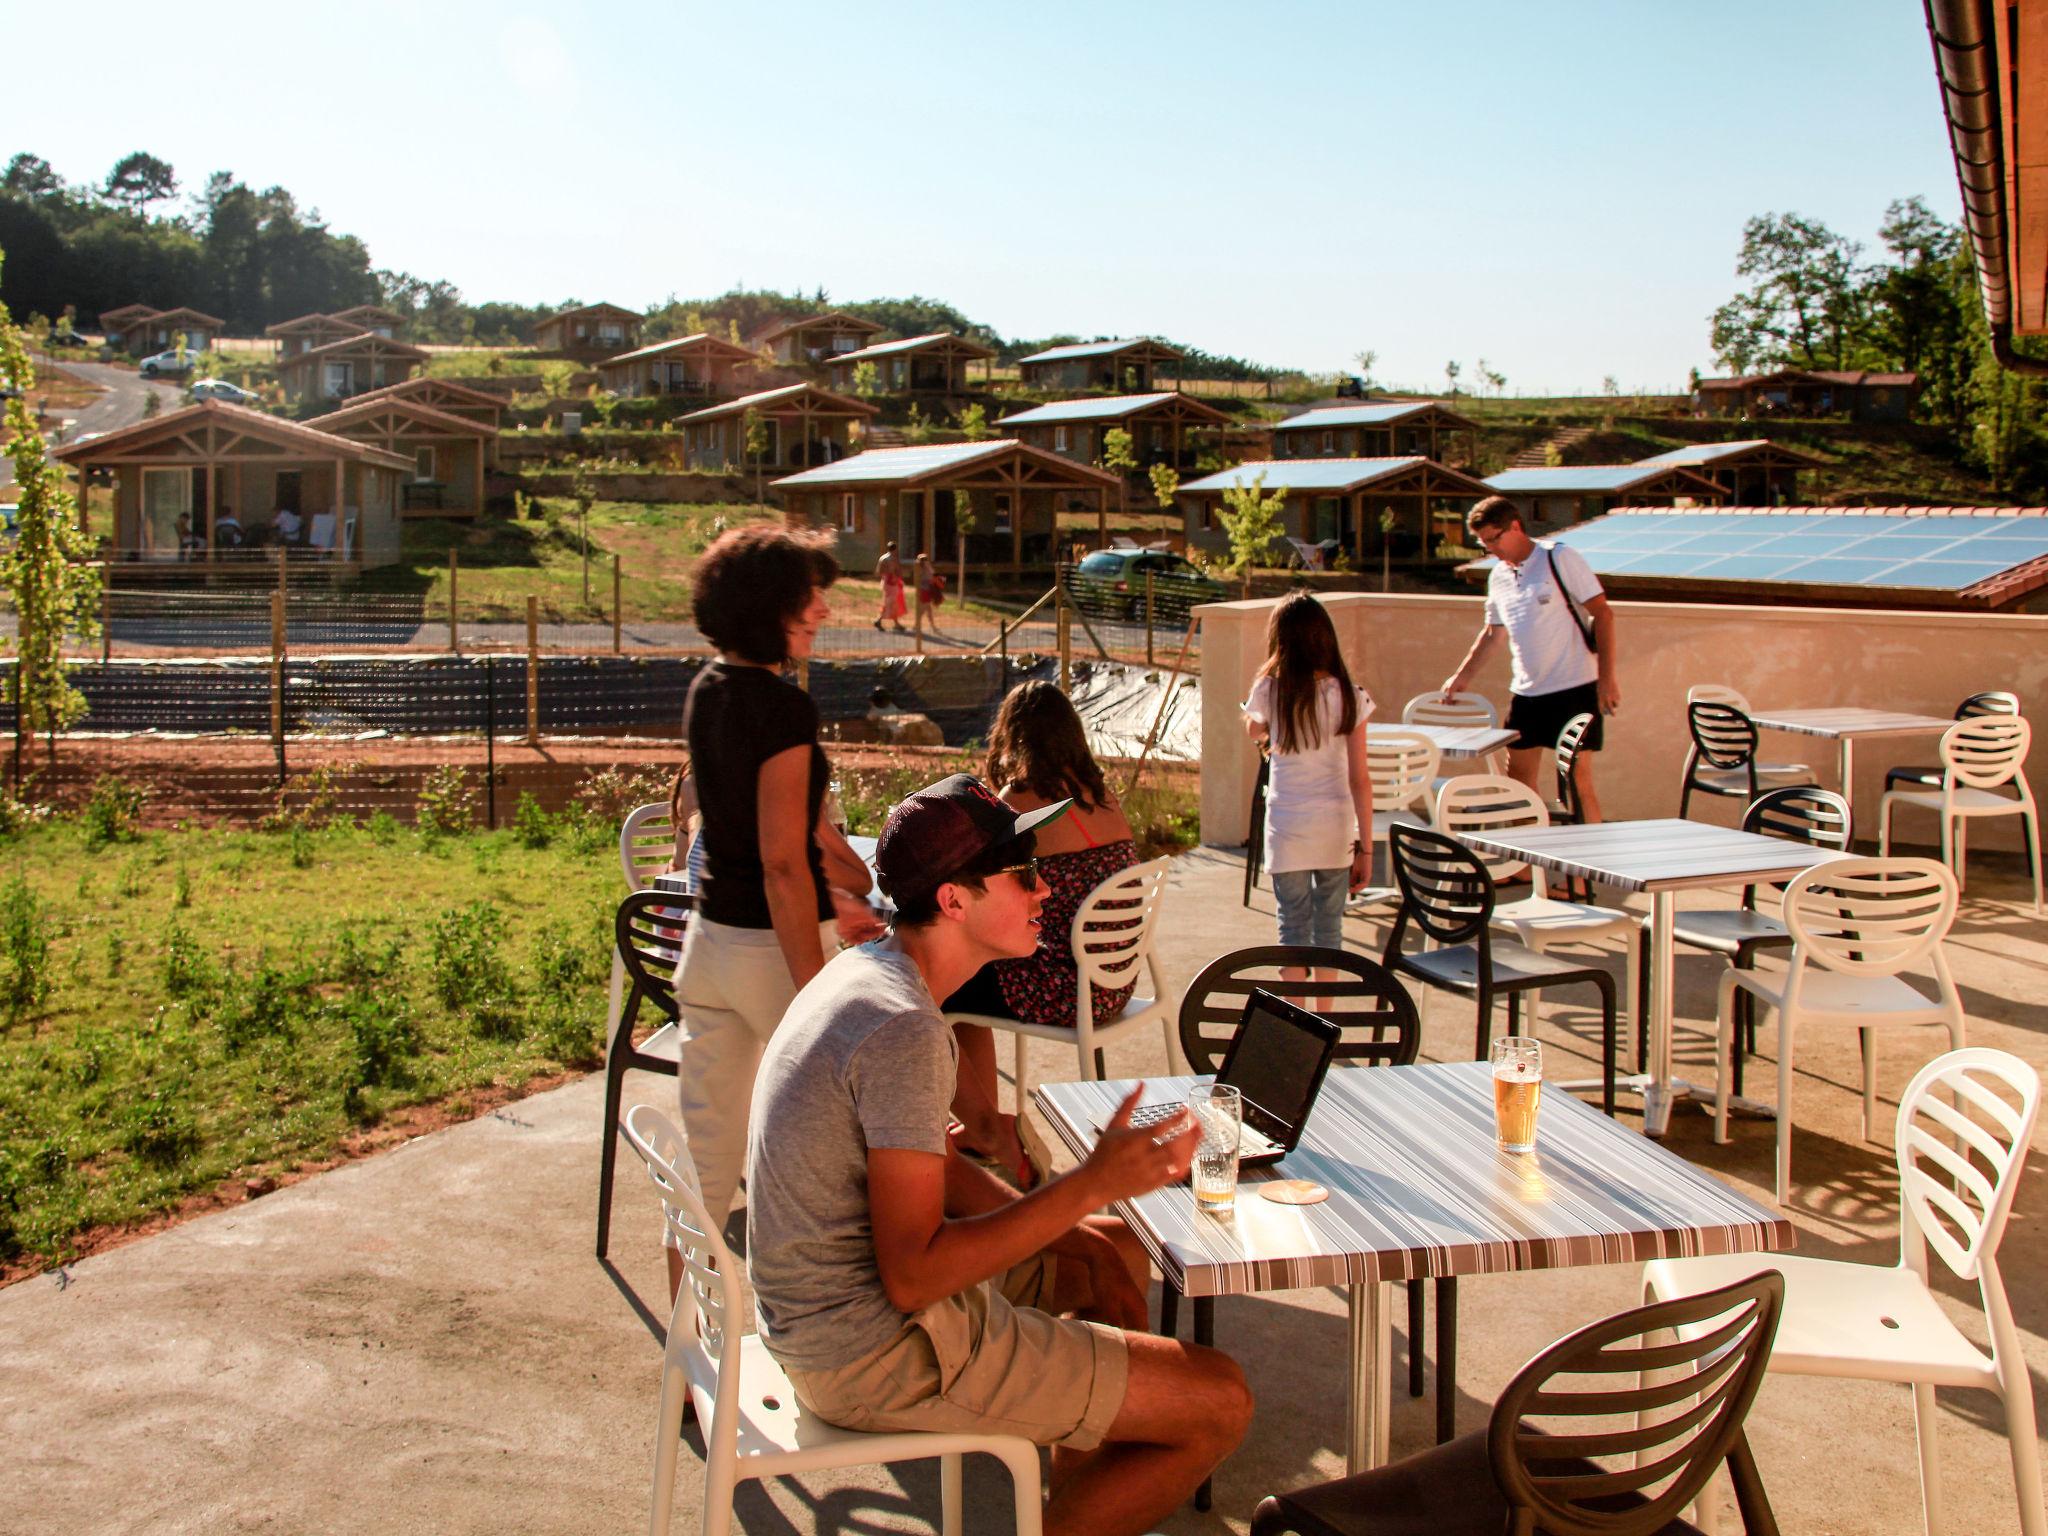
(1002, 514)
(166, 495)
(898, 374)
(1329, 442)
(611, 330)
(849, 511)
(1159, 439)
(1208, 514)
(341, 379)
(845, 344)
(1059, 439)
(423, 464)
(582, 331)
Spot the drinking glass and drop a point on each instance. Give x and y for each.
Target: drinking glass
(1219, 1111)
(1517, 1091)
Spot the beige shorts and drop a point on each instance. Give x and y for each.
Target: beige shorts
(988, 1359)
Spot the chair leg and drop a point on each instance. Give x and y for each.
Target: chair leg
(1684, 796)
(675, 1398)
(1784, 1105)
(949, 1494)
(614, 1082)
(1868, 1042)
(1485, 1033)
(617, 993)
(1643, 999)
(1884, 827)
(2017, 1391)
(1724, 1032)
(1101, 1065)
(1609, 1030)
(1446, 1359)
(1418, 1307)
(1169, 1309)
(2030, 841)
(1924, 1429)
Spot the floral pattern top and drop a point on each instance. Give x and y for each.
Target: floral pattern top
(1040, 987)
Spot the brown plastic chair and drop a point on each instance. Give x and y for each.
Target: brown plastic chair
(1681, 1420)
(649, 930)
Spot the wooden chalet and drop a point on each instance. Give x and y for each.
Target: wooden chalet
(923, 365)
(702, 365)
(448, 453)
(1858, 394)
(1128, 367)
(443, 395)
(1378, 429)
(814, 340)
(1337, 503)
(373, 318)
(806, 426)
(309, 331)
(220, 468)
(350, 366)
(142, 331)
(1160, 426)
(912, 495)
(588, 331)
(1553, 497)
(1753, 473)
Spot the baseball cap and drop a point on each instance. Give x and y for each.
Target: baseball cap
(939, 830)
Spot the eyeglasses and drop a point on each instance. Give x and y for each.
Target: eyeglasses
(1489, 536)
(1026, 872)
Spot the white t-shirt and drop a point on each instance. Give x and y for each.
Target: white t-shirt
(1309, 820)
(1545, 640)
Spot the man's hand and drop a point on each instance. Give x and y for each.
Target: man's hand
(1127, 1163)
(1361, 869)
(854, 919)
(1454, 684)
(1610, 696)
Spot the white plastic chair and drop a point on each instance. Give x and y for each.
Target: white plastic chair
(1403, 768)
(647, 845)
(753, 1425)
(1979, 758)
(1112, 933)
(1467, 709)
(1717, 693)
(1485, 802)
(1961, 1142)
(1855, 925)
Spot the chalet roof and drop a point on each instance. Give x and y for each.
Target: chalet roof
(1379, 413)
(1079, 349)
(1692, 455)
(273, 429)
(447, 389)
(591, 309)
(837, 318)
(1856, 376)
(1590, 479)
(368, 314)
(1105, 408)
(362, 408)
(313, 322)
(195, 316)
(362, 343)
(696, 342)
(128, 312)
(787, 394)
(1334, 475)
(936, 461)
(946, 340)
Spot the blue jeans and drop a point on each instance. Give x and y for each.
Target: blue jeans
(1312, 905)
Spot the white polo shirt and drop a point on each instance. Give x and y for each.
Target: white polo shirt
(1543, 637)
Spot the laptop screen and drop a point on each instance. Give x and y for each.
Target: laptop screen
(1277, 1063)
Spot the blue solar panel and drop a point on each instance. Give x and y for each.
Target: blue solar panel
(1823, 549)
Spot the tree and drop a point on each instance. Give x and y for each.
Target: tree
(31, 176)
(1366, 359)
(1491, 379)
(966, 521)
(1611, 386)
(754, 441)
(867, 380)
(1387, 523)
(974, 422)
(1165, 485)
(584, 492)
(1805, 303)
(140, 179)
(45, 569)
(1119, 458)
(1451, 372)
(1251, 520)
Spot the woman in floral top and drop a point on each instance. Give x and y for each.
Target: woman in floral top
(1038, 754)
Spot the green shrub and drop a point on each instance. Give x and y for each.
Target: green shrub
(383, 828)
(257, 1007)
(181, 889)
(157, 1129)
(566, 1033)
(188, 972)
(357, 965)
(24, 951)
(469, 974)
(612, 793)
(534, 827)
(128, 884)
(446, 804)
(382, 1041)
(18, 815)
(301, 846)
(117, 951)
(111, 812)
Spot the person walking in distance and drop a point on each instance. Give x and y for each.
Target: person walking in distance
(889, 572)
(1546, 603)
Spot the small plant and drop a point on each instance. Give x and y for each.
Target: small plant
(532, 826)
(867, 380)
(469, 974)
(111, 812)
(358, 965)
(1165, 485)
(612, 793)
(257, 1007)
(974, 422)
(158, 1129)
(128, 884)
(446, 804)
(181, 889)
(383, 828)
(300, 843)
(382, 1041)
(1251, 518)
(187, 970)
(17, 815)
(24, 951)
(117, 951)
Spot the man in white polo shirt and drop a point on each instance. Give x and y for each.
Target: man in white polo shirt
(1546, 602)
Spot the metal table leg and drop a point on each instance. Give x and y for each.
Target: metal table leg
(1658, 1096)
(1848, 770)
(1372, 1354)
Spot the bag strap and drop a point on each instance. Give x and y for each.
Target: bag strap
(1585, 625)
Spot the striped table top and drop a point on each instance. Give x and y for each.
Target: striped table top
(1834, 724)
(1453, 740)
(1418, 1187)
(1662, 855)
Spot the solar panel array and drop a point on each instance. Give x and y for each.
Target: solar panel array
(1828, 549)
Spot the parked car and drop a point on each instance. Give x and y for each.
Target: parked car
(1111, 584)
(168, 363)
(221, 389)
(68, 339)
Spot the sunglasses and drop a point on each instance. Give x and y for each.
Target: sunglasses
(1026, 872)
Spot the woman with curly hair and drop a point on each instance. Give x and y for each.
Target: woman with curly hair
(1038, 755)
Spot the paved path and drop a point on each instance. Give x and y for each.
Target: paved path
(122, 403)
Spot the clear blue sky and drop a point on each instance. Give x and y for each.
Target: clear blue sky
(1558, 188)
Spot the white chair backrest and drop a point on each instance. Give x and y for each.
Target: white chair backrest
(1112, 931)
(1961, 1145)
(1871, 917)
(1717, 693)
(1985, 752)
(711, 1281)
(647, 844)
(1402, 765)
(1458, 709)
(1490, 802)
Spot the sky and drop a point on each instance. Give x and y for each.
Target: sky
(1558, 189)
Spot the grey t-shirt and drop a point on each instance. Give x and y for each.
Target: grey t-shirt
(861, 1059)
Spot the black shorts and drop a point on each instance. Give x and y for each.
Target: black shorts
(1540, 718)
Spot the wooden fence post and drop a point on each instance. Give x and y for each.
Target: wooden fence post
(277, 680)
(618, 585)
(533, 671)
(454, 634)
(1148, 620)
(106, 614)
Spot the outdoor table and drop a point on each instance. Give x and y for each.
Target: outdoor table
(1418, 1188)
(1661, 858)
(1452, 741)
(677, 882)
(1845, 726)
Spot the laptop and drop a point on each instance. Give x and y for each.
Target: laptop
(1277, 1062)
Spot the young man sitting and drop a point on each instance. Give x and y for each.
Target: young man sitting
(902, 1287)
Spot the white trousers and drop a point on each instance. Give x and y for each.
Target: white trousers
(733, 986)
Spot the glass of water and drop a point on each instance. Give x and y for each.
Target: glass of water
(1219, 1112)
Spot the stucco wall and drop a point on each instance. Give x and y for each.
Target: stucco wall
(1925, 663)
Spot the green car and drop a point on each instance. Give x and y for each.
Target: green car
(1110, 584)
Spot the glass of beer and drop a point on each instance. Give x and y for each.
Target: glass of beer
(1219, 1112)
(1517, 1091)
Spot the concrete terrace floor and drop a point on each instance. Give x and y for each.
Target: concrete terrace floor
(424, 1342)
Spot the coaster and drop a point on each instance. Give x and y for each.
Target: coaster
(1293, 1192)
